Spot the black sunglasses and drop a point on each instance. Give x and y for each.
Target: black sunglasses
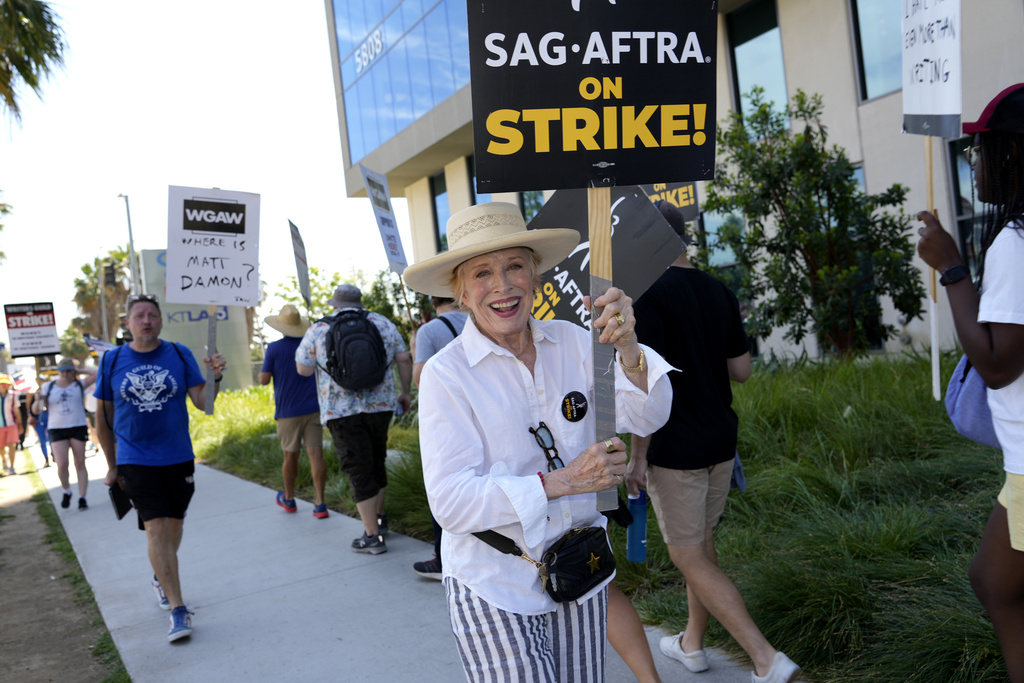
(546, 441)
(143, 297)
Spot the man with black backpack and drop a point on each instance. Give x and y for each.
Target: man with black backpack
(352, 351)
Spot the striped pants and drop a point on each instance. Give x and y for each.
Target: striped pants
(564, 646)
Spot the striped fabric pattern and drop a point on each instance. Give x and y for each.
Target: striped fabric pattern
(564, 646)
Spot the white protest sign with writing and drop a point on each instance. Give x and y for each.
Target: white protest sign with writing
(932, 83)
(380, 198)
(213, 239)
(31, 329)
(301, 265)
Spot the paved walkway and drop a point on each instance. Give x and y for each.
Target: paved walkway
(280, 596)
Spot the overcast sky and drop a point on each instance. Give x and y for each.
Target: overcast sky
(201, 93)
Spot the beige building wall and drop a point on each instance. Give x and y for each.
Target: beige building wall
(819, 55)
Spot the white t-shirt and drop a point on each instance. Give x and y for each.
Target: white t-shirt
(1002, 301)
(66, 405)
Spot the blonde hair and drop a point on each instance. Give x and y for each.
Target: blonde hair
(458, 283)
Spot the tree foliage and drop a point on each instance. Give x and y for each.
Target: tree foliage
(31, 47)
(383, 295)
(817, 251)
(72, 345)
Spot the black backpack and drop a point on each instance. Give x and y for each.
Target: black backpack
(356, 357)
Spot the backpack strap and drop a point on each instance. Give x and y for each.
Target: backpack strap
(106, 384)
(448, 322)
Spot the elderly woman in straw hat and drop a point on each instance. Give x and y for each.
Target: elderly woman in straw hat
(296, 409)
(506, 433)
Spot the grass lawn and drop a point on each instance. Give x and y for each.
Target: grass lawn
(850, 545)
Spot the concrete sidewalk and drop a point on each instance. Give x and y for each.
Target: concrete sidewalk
(280, 596)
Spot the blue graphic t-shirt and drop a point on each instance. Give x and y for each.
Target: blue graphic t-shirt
(149, 391)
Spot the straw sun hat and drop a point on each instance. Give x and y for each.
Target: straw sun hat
(482, 229)
(288, 323)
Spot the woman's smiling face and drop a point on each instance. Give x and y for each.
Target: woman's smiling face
(498, 290)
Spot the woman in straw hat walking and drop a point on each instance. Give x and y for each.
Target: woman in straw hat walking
(506, 431)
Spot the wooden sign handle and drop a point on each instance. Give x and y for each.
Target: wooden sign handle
(599, 220)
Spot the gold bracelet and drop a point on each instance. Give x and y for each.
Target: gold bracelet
(634, 370)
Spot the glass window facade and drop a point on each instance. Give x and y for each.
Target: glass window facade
(756, 46)
(711, 223)
(877, 27)
(439, 191)
(399, 59)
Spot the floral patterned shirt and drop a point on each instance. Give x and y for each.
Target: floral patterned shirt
(335, 401)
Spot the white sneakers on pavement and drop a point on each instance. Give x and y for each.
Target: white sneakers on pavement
(784, 670)
(671, 647)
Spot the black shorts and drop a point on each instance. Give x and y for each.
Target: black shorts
(361, 442)
(78, 433)
(159, 491)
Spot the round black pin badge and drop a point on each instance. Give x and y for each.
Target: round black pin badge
(574, 406)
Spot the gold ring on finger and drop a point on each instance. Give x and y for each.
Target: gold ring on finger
(609, 445)
(619, 319)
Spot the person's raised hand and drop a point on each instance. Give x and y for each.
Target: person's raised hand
(936, 247)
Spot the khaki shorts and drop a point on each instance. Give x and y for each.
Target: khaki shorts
(294, 431)
(689, 503)
(1012, 498)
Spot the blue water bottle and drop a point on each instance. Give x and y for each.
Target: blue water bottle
(636, 534)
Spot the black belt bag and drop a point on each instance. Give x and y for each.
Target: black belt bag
(577, 562)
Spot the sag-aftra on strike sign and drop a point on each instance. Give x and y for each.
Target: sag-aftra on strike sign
(587, 93)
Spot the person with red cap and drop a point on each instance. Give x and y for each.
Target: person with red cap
(988, 312)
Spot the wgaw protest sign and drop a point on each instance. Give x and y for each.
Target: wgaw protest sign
(213, 239)
(571, 94)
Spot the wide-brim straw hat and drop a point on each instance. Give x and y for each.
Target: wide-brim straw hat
(481, 229)
(289, 322)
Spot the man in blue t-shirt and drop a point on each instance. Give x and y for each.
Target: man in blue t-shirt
(296, 409)
(142, 423)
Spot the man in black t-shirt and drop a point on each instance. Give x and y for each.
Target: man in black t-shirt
(693, 320)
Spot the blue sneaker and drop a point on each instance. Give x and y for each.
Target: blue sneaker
(288, 505)
(161, 597)
(181, 624)
(320, 511)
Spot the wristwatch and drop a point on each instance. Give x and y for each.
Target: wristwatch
(953, 274)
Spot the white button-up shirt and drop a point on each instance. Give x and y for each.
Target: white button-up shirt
(480, 461)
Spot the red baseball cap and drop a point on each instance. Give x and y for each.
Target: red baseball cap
(1004, 113)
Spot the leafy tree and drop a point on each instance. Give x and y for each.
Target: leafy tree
(31, 46)
(383, 295)
(321, 288)
(72, 344)
(817, 251)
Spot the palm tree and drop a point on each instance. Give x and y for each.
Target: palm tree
(87, 294)
(31, 46)
(4, 209)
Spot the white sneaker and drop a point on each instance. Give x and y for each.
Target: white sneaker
(671, 647)
(783, 670)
